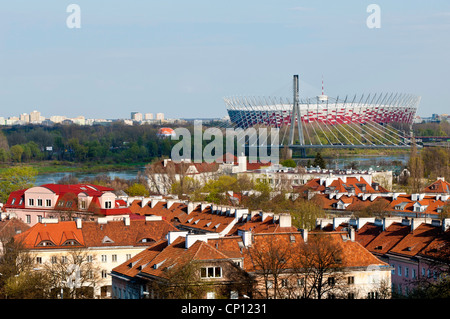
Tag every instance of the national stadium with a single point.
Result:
(385, 108)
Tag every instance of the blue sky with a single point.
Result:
(182, 57)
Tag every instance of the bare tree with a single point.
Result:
(271, 261)
(321, 262)
(75, 274)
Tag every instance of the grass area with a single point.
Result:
(48, 167)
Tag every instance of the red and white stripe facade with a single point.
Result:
(249, 111)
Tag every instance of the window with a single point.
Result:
(39, 202)
(406, 272)
(104, 259)
(373, 295)
(54, 260)
(413, 273)
(351, 280)
(28, 217)
(69, 204)
(64, 259)
(331, 281)
(83, 204)
(38, 260)
(114, 258)
(13, 201)
(104, 273)
(423, 271)
(399, 270)
(128, 256)
(39, 218)
(90, 259)
(108, 204)
(30, 202)
(48, 202)
(211, 272)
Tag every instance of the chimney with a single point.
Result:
(351, 232)
(242, 163)
(246, 237)
(173, 235)
(285, 220)
(150, 218)
(304, 233)
(193, 238)
(239, 212)
(445, 224)
(78, 221)
(126, 220)
(49, 220)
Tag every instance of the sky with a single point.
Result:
(182, 58)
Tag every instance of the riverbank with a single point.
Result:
(52, 167)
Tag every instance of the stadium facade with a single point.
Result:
(245, 112)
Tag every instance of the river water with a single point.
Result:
(362, 162)
(53, 178)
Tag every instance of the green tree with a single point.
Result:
(319, 161)
(289, 163)
(15, 178)
(16, 153)
(137, 189)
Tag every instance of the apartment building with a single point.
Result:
(64, 202)
(103, 243)
(413, 247)
(228, 267)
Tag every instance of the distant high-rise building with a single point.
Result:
(136, 116)
(160, 116)
(35, 117)
(24, 117)
(149, 116)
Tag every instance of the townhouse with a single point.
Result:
(64, 202)
(105, 243)
(202, 217)
(413, 247)
(228, 267)
(164, 173)
(345, 197)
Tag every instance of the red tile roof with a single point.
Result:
(93, 234)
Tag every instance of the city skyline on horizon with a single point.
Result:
(183, 58)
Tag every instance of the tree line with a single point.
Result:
(109, 144)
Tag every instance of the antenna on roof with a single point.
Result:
(322, 97)
(322, 84)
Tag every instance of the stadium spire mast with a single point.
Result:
(295, 114)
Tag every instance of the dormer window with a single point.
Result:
(45, 243)
(70, 242)
(146, 240)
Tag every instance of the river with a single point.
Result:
(53, 178)
(362, 162)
